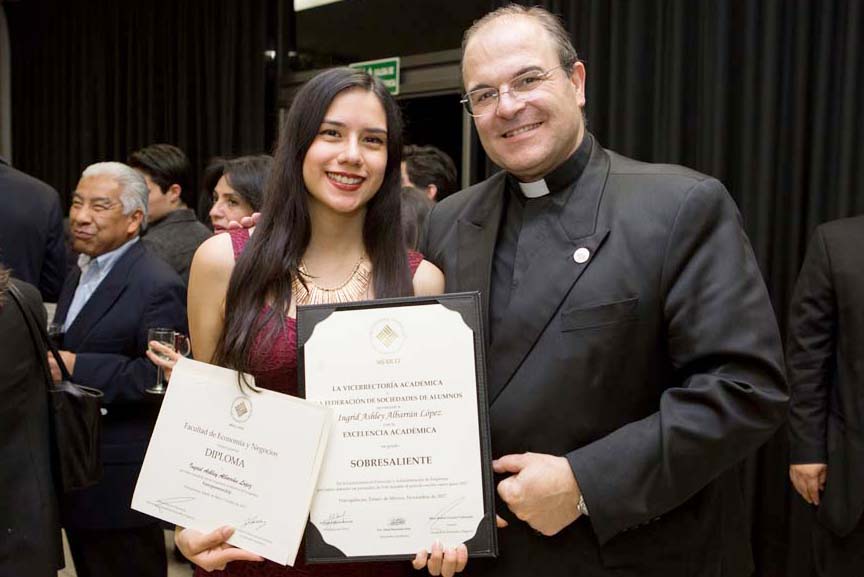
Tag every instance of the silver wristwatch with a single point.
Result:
(583, 508)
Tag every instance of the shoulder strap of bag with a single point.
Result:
(36, 328)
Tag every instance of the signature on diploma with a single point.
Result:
(443, 514)
(396, 522)
(173, 503)
(336, 519)
(254, 523)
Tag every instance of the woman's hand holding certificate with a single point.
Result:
(222, 455)
(211, 551)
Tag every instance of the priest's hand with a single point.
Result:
(541, 491)
(809, 479)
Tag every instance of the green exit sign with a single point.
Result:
(386, 70)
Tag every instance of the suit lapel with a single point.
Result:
(548, 275)
(478, 230)
(66, 295)
(105, 296)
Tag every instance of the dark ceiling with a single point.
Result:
(354, 30)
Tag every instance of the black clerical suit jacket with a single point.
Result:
(109, 337)
(654, 365)
(825, 359)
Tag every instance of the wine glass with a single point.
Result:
(55, 333)
(168, 338)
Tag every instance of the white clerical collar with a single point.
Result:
(534, 189)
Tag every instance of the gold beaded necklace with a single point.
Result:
(355, 287)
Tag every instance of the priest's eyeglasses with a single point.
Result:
(483, 101)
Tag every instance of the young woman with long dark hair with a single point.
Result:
(330, 232)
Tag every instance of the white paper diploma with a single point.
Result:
(403, 464)
(222, 456)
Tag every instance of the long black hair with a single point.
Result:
(272, 257)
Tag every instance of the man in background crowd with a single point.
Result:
(31, 231)
(430, 170)
(174, 232)
(119, 291)
(825, 360)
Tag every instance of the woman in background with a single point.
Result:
(236, 188)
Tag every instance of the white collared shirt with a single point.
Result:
(93, 272)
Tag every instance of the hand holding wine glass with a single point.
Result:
(165, 348)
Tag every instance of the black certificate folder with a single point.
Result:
(408, 460)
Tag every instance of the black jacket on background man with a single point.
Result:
(32, 244)
(109, 338)
(825, 359)
(175, 238)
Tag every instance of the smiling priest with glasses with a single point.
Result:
(633, 355)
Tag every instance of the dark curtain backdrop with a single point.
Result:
(94, 80)
(768, 96)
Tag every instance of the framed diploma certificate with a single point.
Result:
(408, 456)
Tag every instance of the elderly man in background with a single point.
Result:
(119, 291)
(634, 358)
(174, 232)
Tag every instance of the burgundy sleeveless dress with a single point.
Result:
(274, 365)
